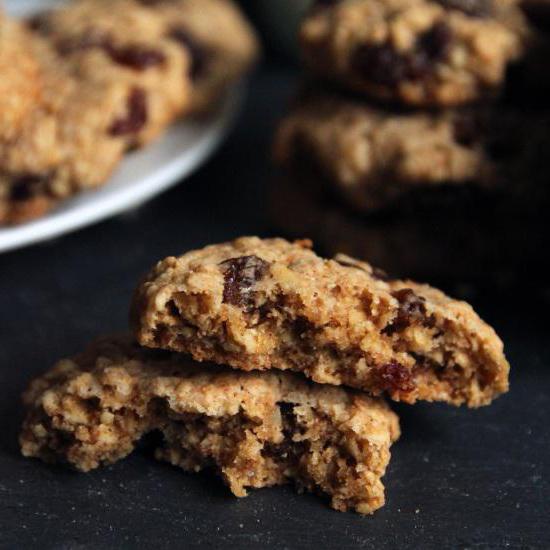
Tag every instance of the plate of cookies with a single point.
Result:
(107, 104)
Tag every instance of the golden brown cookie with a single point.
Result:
(379, 159)
(419, 52)
(272, 304)
(257, 430)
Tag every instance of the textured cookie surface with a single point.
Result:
(380, 159)
(420, 52)
(256, 430)
(20, 82)
(113, 75)
(107, 38)
(262, 304)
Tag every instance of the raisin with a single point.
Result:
(240, 274)
(136, 116)
(25, 186)
(395, 377)
(39, 23)
(475, 8)
(411, 309)
(380, 64)
(431, 46)
(195, 50)
(136, 57)
(383, 65)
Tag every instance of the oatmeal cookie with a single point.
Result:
(262, 304)
(257, 430)
(142, 40)
(381, 159)
(419, 52)
(20, 82)
(66, 144)
(222, 44)
(103, 43)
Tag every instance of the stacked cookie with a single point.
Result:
(412, 145)
(268, 363)
(92, 80)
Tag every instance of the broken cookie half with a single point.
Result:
(271, 304)
(256, 430)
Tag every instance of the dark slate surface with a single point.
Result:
(458, 478)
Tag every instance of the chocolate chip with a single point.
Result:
(136, 57)
(136, 116)
(475, 8)
(240, 275)
(383, 65)
(196, 51)
(24, 186)
(395, 377)
(411, 309)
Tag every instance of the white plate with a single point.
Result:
(142, 174)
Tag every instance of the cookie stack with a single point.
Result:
(267, 363)
(412, 144)
(84, 84)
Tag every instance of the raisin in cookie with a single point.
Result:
(257, 430)
(221, 43)
(103, 42)
(380, 159)
(419, 52)
(262, 304)
(472, 243)
(66, 143)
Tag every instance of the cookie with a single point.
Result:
(20, 83)
(264, 304)
(103, 43)
(417, 52)
(379, 159)
(132, 38)
(257, 430)
(113, 75)
(479, 245)
(71, 140)
(222, 44)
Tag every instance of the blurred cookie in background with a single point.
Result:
(416, 52)
(417, 161)
(488, 247)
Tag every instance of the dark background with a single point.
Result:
(458, 478)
